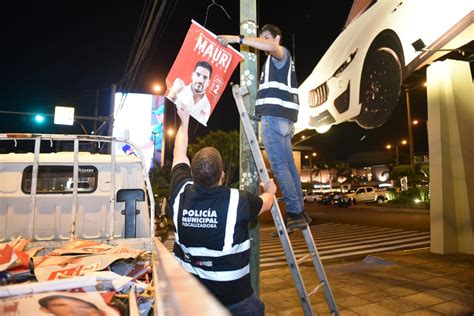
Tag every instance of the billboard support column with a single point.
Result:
(450, 120)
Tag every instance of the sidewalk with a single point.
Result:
(414, 282)
(384, 208)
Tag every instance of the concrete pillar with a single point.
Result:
(451, 145)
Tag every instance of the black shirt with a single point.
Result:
(216, 253)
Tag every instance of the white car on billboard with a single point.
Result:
(360, 75)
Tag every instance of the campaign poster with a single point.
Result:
(56, 303)
(140, 119)
(200, 73)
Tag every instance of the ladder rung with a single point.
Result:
(303, 259)
(316, 288)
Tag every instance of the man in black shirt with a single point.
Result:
(211, 224)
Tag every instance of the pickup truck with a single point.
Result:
(53, 197)
(367, 194)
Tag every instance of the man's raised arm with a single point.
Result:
(181, 139)
(270, 45)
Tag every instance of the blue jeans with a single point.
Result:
(276, 137)
(251, 306)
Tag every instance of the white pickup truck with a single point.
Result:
(368, 194)
(51, 197)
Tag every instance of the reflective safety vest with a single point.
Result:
(278, 92)
(210, 219)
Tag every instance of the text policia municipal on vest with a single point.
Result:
(199, 218)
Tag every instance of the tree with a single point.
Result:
(425, 170)
(399, 172)
(160, 178)
(343, 170)
(226, 142)
(228, 145)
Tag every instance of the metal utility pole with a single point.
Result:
(249, 178)
(113, 89)
(96, 110)
(410, 131)
(397, 159)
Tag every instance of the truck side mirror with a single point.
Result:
(130, 197)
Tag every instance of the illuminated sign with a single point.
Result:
(140, 119)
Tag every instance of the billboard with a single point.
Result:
(359, 78)
(140, 119)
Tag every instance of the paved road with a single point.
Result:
(340, 242)
(371, 215)
(343, 234)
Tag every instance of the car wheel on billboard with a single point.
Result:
(380, 86)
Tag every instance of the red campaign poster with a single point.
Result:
(200, 72)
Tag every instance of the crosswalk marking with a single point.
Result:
(372, 240)
(336, 241)
(339, 241)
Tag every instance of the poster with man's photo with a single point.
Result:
(200, 73)
(57, 304)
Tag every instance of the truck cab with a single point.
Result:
(55, 196)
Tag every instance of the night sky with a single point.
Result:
(69, 52)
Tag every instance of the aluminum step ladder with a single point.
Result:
(238, 93)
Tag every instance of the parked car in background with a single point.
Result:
(312, 197)
(368, 194)
(340, 199)
(327, 198)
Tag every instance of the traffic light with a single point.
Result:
(39, 118)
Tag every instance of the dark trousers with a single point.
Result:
(251, 306)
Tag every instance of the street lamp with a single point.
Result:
(170, 132)
(389, 146)
(409, 120)
(396, 152)
(310, 157)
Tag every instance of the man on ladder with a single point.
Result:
(277, 106)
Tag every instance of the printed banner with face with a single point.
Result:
(200, 73)
(57, 303)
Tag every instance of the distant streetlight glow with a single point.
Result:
(170, 132)
(39, 118)
(157, 88)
